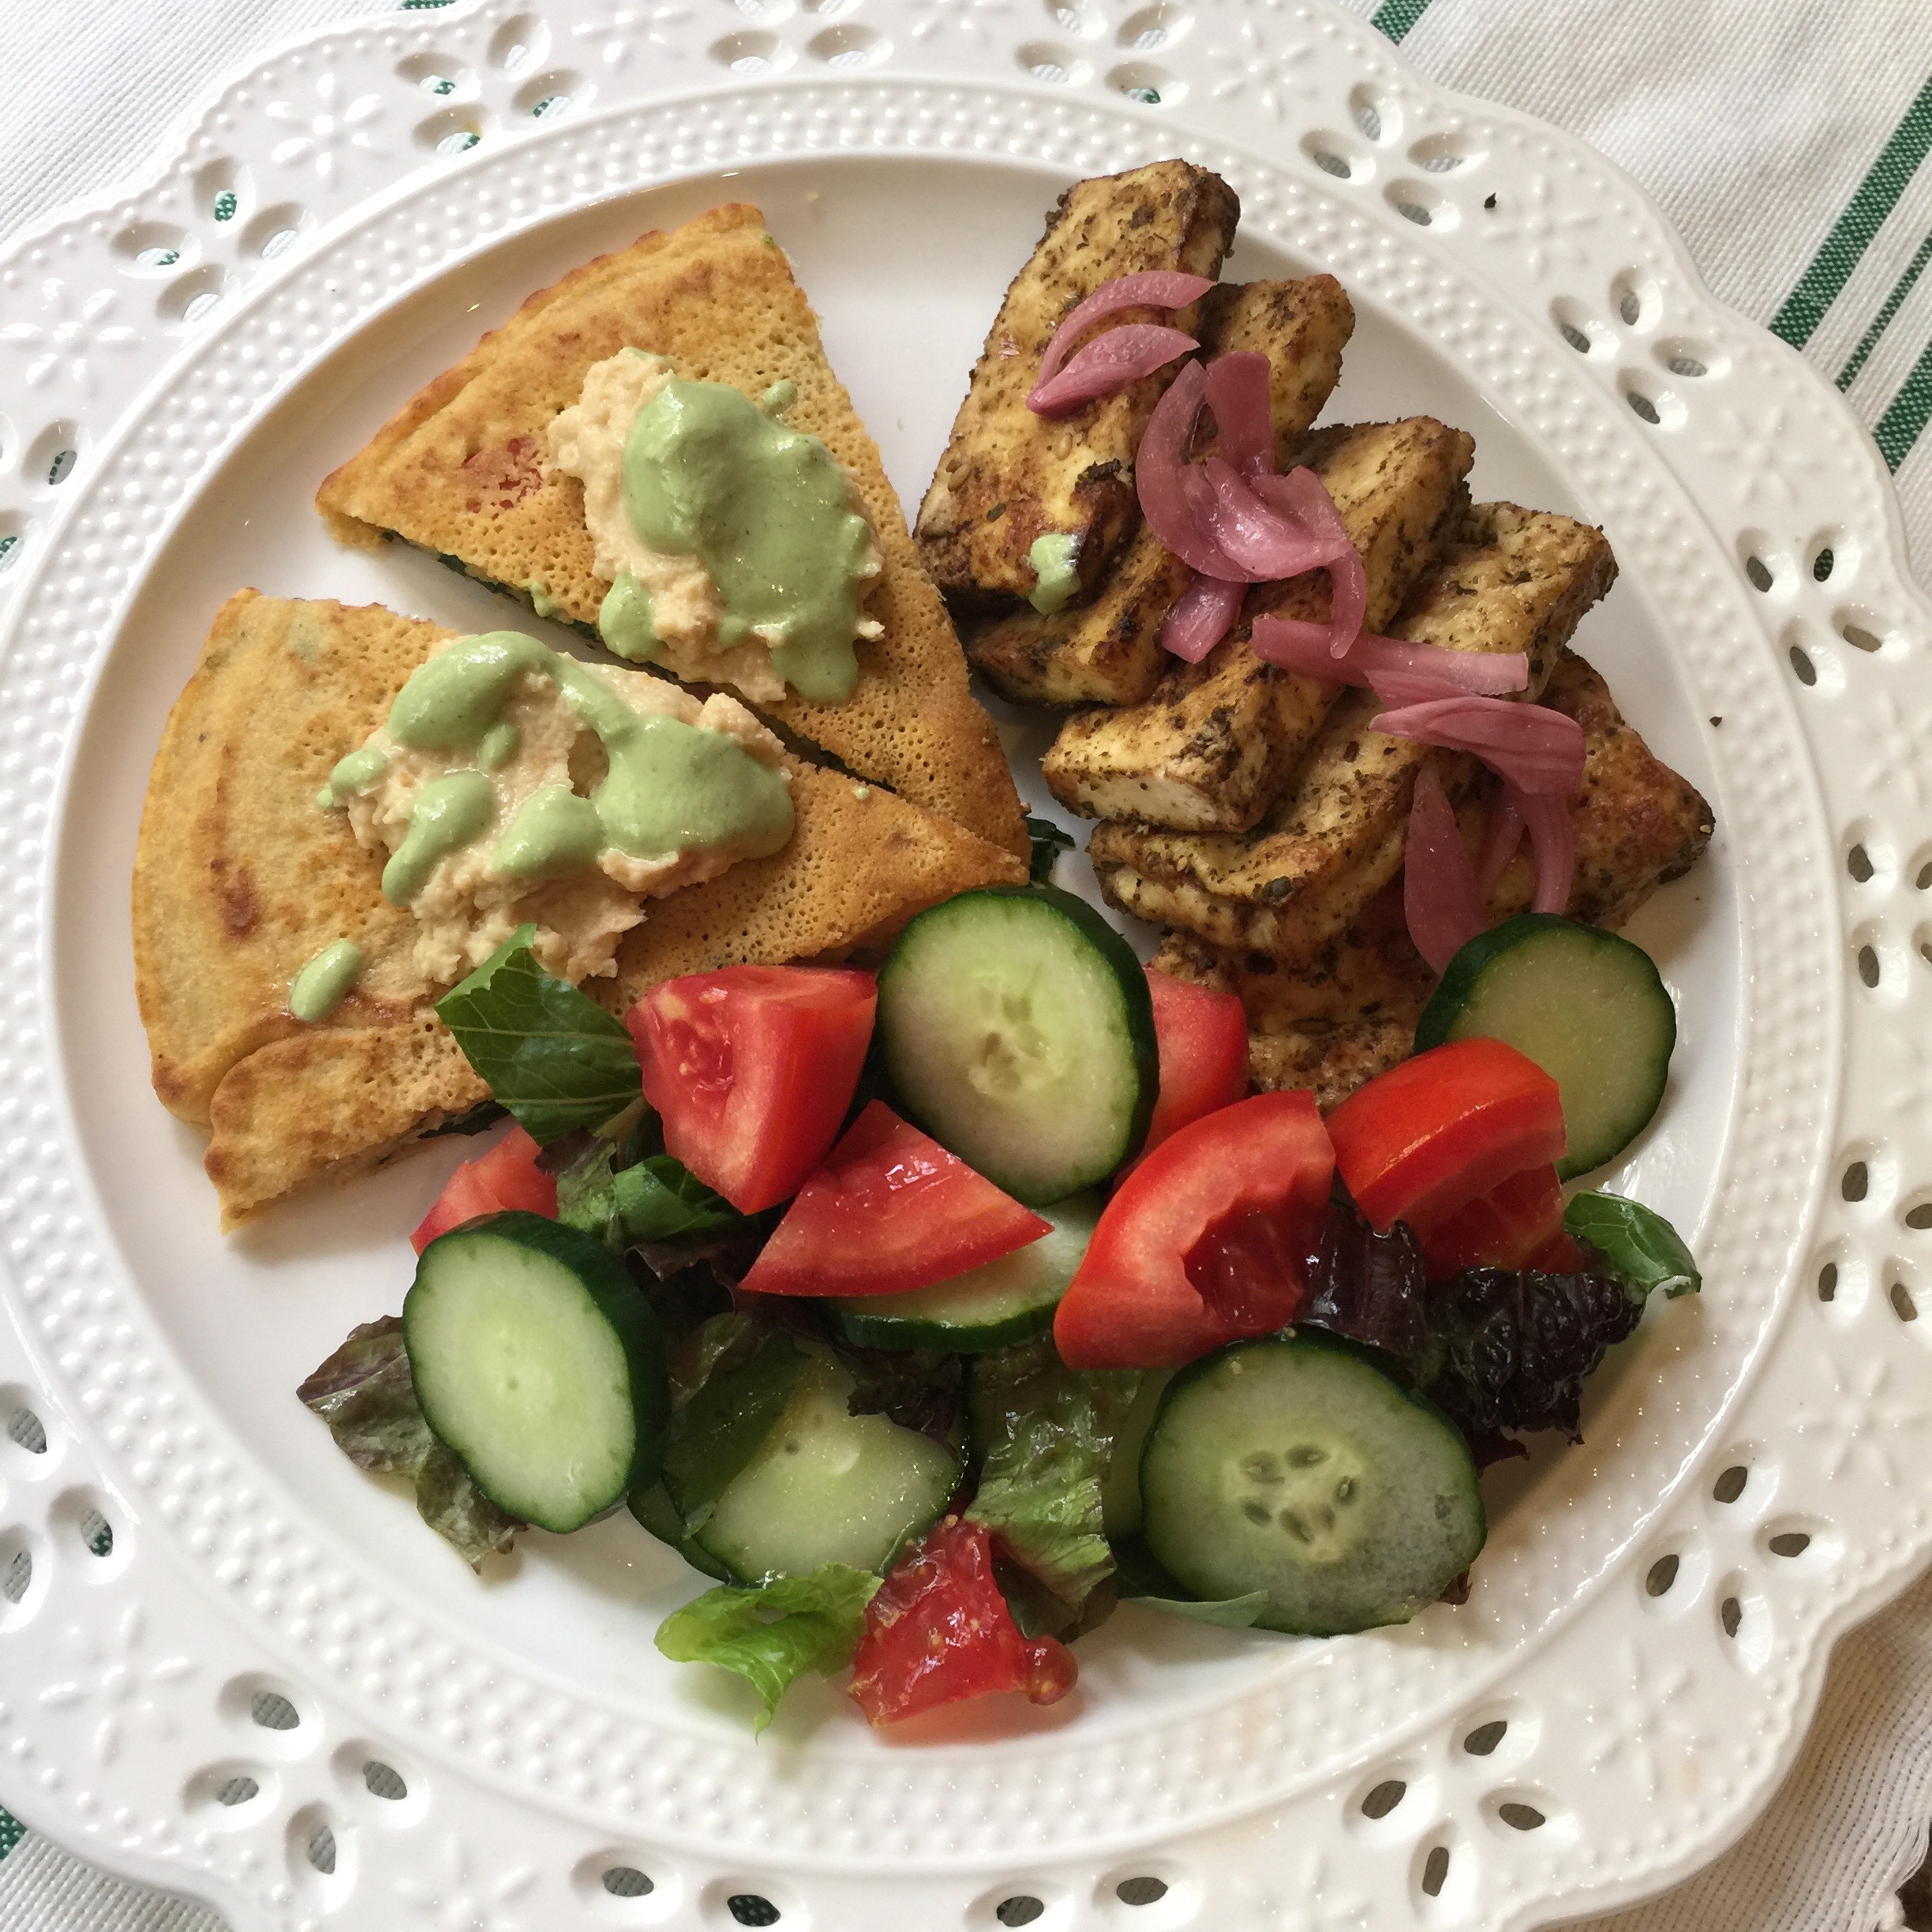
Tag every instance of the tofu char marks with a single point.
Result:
(1214, 744)
(1514, 580)
(1008, 477)
(1107, 650)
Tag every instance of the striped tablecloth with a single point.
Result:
(1788, 141)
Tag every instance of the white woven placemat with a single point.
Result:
(1788, 141)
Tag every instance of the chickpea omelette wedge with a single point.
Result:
(261, 857)
(679, 387)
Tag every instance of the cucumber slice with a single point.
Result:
(827, 1486)
(1589, 1008)
(1007, 1301)
(538, 1362)
(1293, 1467)
(1016, 1027)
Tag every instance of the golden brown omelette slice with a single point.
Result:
(239, 879)
(460, 469)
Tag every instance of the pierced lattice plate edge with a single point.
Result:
(1894, 528)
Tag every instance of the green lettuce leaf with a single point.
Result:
(1046, 1433)
(548, 1053)
(1643, 1250)
(660, 1199)
(1049, 843)
(366, 1394)
(587, 1193)
(773, 1635)
(655, 1201)
(1144, 1581)
(731, 1380)
(1226, 1613)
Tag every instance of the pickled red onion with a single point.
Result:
(1200, 617)
(1158, 288)
(1400, 673)
(1238, 392)
(1441, 900)
(1107, 363)
(1268, 546)
(1302, 494)
(1170, 489)
(1538, 751)
(1214, 519)
(1501, 837)
(1553, 837)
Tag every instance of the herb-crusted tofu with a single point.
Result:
(1348, 1011)
(1008, 476)
(1208, 751)
(1107, 651)
(1515, 580)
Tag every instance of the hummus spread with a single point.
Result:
(511, 785)
(735, 548)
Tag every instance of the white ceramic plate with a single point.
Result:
(1572, 1736)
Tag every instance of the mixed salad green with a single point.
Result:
(931, 1312)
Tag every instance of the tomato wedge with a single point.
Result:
(938, 1632)
(1202, 1038)
(1428, 1137)
(1506, 1228)
(753, 1069)
(1206, 1240)
(891, 1210)
(1559, 1255)
(504, 1176)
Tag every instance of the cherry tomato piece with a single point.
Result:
(1202, 1038)
(504, 1176)
(1205, 1241)
(938, 1632)
(753, 1069)
(890, 1210)
(1424, 1138)
(1504, 1229)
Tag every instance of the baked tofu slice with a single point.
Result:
(460, 470)
(1514, 580)
(1208, 751)
(1330, 1021)
(1108, 651)
(239, 879)
(1008, 476)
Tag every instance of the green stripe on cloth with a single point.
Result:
(12, 1832)
(1899, 428)
(1882, 320)
(1395, 17)
(1818, 287)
